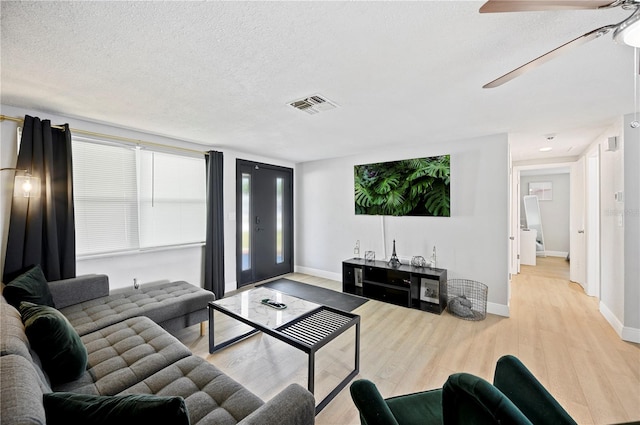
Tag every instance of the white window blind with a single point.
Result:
(172, 199)
(105, 198)
(129, 199)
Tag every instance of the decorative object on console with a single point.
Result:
(433, 258)
(418, 261)
(394, 261)
(356, 249)
(370, 255)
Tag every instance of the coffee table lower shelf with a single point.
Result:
(307, 333)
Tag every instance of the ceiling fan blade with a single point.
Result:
(495, 6)
(550, 55)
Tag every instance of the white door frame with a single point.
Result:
(515, 180)
(578, 266)
(592, 214)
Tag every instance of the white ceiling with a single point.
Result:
(404, 73)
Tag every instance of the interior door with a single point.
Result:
(577, 253)
(592, 231)
(264, 221)
(514, 219)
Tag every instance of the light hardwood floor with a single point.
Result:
(554, 328)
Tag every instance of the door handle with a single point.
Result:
(580, 231)
(512, 238)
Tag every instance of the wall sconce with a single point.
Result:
(24, 186)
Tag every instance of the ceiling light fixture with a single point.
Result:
(628, 32)
(546, 149)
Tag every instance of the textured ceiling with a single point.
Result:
(404, 73)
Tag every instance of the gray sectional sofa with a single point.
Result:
(129, 351)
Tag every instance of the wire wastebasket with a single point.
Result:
(467, 299)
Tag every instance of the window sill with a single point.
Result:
(138, 251)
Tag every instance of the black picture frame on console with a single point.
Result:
(429, 290)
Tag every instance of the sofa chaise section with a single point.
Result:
(89, 305)
(122, 354)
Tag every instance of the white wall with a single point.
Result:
(620, 229)
(472, 243)
(631, 139)
(183, 263)
(612, 230)
(554, 213)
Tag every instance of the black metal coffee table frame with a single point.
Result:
(308, 332)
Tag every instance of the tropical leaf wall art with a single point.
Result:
(416, 187)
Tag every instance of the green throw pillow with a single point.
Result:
(63, 355)
(30, 286)
(135, 409)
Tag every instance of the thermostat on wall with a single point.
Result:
(618, 196)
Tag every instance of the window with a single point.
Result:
(129, 199)
(279, 222)
(171, 199)
(246, 223)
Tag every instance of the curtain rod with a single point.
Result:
(108, 136)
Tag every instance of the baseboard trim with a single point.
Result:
(611, 318)
(319, 273)
(626, 333)
(230, 286)
(562, 254)
(498, 309)
(630, 334)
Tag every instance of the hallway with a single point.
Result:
(552, 267)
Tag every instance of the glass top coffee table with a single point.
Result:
(302, 324)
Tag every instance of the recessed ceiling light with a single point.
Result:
(546, 149)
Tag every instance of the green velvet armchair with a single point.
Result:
(516, 397)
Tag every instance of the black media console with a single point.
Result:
(422, 288)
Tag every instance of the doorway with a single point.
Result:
(559, 209)
(264, 221)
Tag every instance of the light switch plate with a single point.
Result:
(618, 196)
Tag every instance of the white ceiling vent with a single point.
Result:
(313, 104)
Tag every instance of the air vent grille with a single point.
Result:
(313, 104)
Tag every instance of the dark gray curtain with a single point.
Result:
(214, 248)
(42, 229)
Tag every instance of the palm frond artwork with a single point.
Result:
(414, 187)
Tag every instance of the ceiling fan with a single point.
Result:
(627, 31)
